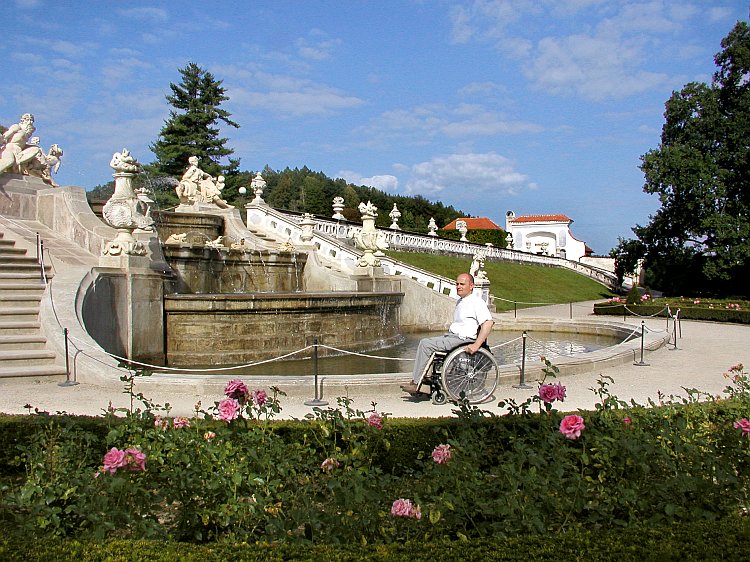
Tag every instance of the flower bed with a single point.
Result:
(230, 473)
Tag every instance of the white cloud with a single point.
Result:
(470, 174)
(421, 123)
(595, 67)
(145, 14)
(317, 47)
(608, 57)
(386, 182)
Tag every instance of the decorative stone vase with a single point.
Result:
(369, 240)
(123, 210)
(338, 206)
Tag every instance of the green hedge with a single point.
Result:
(497, 238)
(725, 539)
(741, 316)
(338, 478)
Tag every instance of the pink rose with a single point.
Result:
(404, 508)
(136, 460)
(572, 426)
(375, 420)
(114, 459)
(228, 409)
(329, 464)
(442, 454)
(627, 421)
(743, 424)
(259, 397)
(181, 422)
(160, 422)
(551, 392)
(236, 389)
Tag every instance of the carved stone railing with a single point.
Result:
(331, 236)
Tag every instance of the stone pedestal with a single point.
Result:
(123, 310)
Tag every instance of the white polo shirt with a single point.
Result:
(470, 313)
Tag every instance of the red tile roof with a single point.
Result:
(542, 218)
(477, 223)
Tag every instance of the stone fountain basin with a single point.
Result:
(240, 328)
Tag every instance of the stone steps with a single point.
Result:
(33, 371)
(26, 357)
(11, 342)
(23, 351)
(19, 327)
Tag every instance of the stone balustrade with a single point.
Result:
(331, 236)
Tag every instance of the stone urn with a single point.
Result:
(123, 211)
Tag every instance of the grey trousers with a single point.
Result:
(427, 346)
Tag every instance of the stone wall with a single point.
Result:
(204, 330)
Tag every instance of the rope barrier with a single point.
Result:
(649, 315)
(345, 352)
(181, 370)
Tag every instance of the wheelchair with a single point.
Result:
(451, 374)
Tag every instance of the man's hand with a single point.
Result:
(471, 349)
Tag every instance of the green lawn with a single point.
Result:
(523, 283)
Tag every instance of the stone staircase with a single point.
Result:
(23, 350)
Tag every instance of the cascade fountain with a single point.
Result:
(235, 298)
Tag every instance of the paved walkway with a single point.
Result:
(704, 352)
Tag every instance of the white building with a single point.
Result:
(547, 235)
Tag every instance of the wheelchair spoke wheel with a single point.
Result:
(473, 375)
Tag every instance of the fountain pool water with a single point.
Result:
(548, 344)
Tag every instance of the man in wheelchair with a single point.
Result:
(472, 323)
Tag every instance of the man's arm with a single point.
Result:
(484, 332)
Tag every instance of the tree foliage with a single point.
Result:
(192, 127)
(699, 240)
(306, 191)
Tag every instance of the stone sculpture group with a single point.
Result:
(197, 186)
(20, 152)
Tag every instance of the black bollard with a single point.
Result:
(317, 400)
(68, 381)
(522, 382)
(641, 363)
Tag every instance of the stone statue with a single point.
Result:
(14, 143)
(123, 210)
(34, 162)
(211, 192)
(187, 189)
(176, 239)
(197, 186)
(218, 243)
(477, 267)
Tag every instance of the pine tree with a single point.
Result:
(192, 127)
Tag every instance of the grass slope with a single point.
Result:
(522, 283)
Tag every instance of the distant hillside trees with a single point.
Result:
(698, 242)
(305, 191)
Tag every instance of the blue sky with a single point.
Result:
(535, 106)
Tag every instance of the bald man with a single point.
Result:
(472, 323)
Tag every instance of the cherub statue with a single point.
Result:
(34, 162)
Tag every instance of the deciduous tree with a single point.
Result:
(699, 240)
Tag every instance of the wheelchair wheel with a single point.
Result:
(473, 375)
(439, 397)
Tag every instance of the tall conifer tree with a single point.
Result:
(192, 127)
